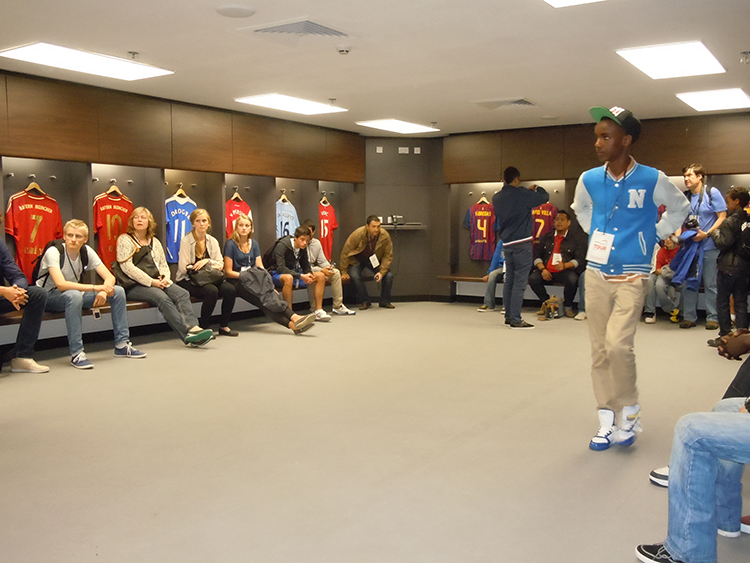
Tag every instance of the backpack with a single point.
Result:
(269, 256)
(59, 244)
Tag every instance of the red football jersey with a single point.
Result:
(32, 221)
(111, 214)
(233, 209)
(480, 219)
(544, 219)
(328, 224)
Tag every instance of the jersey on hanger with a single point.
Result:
(480, 219)
(328, 224)
(179, 209)
(233, 209)
(32, 221)
(544, 219)
(286, 219)
(111, 214)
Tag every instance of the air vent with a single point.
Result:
(505, 102)
(300, 29)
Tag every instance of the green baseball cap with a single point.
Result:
(623, 117)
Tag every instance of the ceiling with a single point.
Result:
(417, 60)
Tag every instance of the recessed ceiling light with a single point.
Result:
(235, 11)
(566, 3)
(81, 61)
(289, 103)
(713, 100)
(397, 126)
(673, 60)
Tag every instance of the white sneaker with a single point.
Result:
(650, 318)
(26, 365)
(660, 476)
(605, 436)
(630, 425)
(322, 316)
(581, 316)
(344, 310)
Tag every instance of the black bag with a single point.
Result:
(258, 282)
(205, 276)
(269, 256)
(142, 259)
(60, 245)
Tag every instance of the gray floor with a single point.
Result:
(429, 433)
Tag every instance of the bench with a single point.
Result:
(474, 286)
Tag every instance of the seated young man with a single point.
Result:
(560, 256)
(291, 270)
(319, 263)
(60, 273)
(15, 296)
(659, 286)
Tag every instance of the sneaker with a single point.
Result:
(26, 365)
(745, 524)
(520, 325)
(128, 351)
(507, 321)
(569, 313)
(200, 343)
(79, 361)
(387, 305)
(712, 325)
(366, 305)
(322, 316)
(304, 324)
(199, 336)
(656, 552)
(485, 309)
(728, 534)
(660, 476)
(605, 436)
(630, 425)
(687, 324)
(674, 316)
(581, 316)
(343, 310)
(650, 318)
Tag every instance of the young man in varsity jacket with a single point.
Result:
(617, 204)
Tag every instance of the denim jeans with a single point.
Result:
(728, 285)
(518, 260)
(173, 304)
(72, 302)
(386, 283)
(28, 330)
(658, 289)
(690, 298)
(709, 451)
(494, 277)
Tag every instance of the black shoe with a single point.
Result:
(228, 332)
(387, 305)
(656, 552)
(366, 305)
(714, 342)
(520, 325)
(507, 321)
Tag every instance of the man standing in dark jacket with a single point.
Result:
(513, 205)
(18, 295)
(560, 256)
(733, 270)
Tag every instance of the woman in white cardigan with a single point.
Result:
(141, 258)
(198, 249)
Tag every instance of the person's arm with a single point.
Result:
(385, 263)
(345, 254)
(214, 253)
(185, 257)
(229, 255)
(583, 205)
(160, 259)
(678, 206)
(10, 269)
(537, 196)
(280, 251)
(724, 237)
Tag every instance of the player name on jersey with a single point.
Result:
(480, 219)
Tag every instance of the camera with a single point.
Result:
(692, 222)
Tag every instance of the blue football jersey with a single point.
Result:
(178, 223)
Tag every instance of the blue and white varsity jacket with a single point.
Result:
(628, 208)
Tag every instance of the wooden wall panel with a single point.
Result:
(3, 116)
(537, 153)
(201, 139)
(134, 130)
(578, 152)
(304, 152)
(729, 144)
(52, 120)
(670, 144)
(345, 157)
(257, 145)
(473, 158)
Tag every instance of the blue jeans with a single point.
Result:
(28, 330)
(494, 277)
(386, 283)
(173, 303)
(72, 302)
(690, 298)
(708, 456)
(657, 288)
(518, 260)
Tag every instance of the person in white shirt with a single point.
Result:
(319, 263)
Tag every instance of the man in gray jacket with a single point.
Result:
(319, 263)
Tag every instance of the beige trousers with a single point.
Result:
(613, 310)
(337, 292)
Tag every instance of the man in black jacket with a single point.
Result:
(560, 257)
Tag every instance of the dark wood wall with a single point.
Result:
(48, 119)
(720, 142)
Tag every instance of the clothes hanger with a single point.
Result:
(236, 195)
(113, 190)
(483, 199)
(180, 192)
(283, 197)
(324, 200)
(33, 186)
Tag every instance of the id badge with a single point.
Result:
(600, 247)
(374, 262)
(556, 258)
